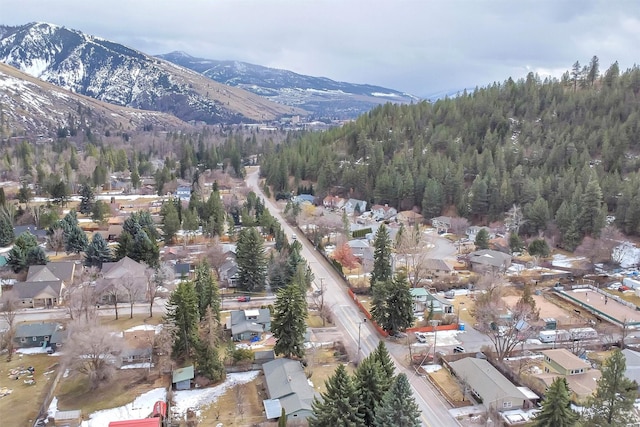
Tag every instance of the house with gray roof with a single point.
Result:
(487, 384)
(35, 334)
(288, 388)
(355, 205)
(246, 324)
(41, 235)
(442, 224)
(422, 300)
(53, 270)
(39, 294)
(487, 259)
(114, 274)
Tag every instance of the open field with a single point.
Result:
(21, 407)
(449, 385)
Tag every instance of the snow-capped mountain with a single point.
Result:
(120, 75)
(321, 96)
(32, 106)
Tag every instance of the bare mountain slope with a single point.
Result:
(120, 75)
(31, 106)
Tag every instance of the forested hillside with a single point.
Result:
(565, 151)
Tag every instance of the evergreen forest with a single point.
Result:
(564, 152)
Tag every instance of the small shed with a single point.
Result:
(182, 378)
(68, 418)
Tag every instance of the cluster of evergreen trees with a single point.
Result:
(193, 316)
(373, 396)
(566, 151)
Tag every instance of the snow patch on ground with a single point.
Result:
(156, 328)
(32, 350)
(138, 366)
(53, 407)
(564, 261)
(142, 406)
(185, 399)
(431, 368)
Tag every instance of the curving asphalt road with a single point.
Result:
(350, 320)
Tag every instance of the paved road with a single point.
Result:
(350, 320)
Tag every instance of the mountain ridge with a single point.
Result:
(117, 74)
(320, 95)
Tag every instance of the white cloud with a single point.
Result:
(416, 46)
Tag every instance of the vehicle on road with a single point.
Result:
(421, 337)
(244, 298)
(294, 237)
(458, 349)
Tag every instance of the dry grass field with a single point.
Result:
(21, 407)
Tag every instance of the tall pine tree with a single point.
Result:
(289, 321)
(182, 313)
(398, 407)
(339, 405)
(381, 257)
(252, 267)
(556, 407)
(97, 252)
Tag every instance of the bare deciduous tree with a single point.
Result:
(216, 257)
(80, 295)
(9, 303)
(504, 331)
(413, 248)
(90, 351)
(459, 225)
(56, 240)
(158, 282)
(133, 288)
(112, 290)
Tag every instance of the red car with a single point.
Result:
(244, 298)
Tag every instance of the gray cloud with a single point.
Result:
(418, 46)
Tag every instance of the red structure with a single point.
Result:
(159, 410)
(145, 422)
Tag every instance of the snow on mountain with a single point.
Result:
(321, 96)
(32, 106)
(120, 75)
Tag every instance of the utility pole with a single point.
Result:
(434, 323)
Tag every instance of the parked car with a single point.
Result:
(623, 288)
(421, 337)
(244, 298)
(458, 349)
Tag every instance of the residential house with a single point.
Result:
(62, 270)
(333, 202)
(246, 324)
(45, 284)
(48, 293)
(425, 300)
(487, 259)
(304, 198)
(472, 232)
(181, 378)
(380, 212)
(288, 388)
(436, 268)
(138, 347)
(442, 224)
(581, 377)
(41, 235)
(115, 274)
(409, 217)
(229, 274)
(487, 383)
(183, 192)
(362, 250)
(35, 334)
(354, 205)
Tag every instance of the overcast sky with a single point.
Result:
(421, 47)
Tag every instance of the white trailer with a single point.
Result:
(583, 334)
(554, 336)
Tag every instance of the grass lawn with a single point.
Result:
(23, 404)
(124, 322)
(315, 321)
(449, 384)
(74, 392)
(240, 405)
